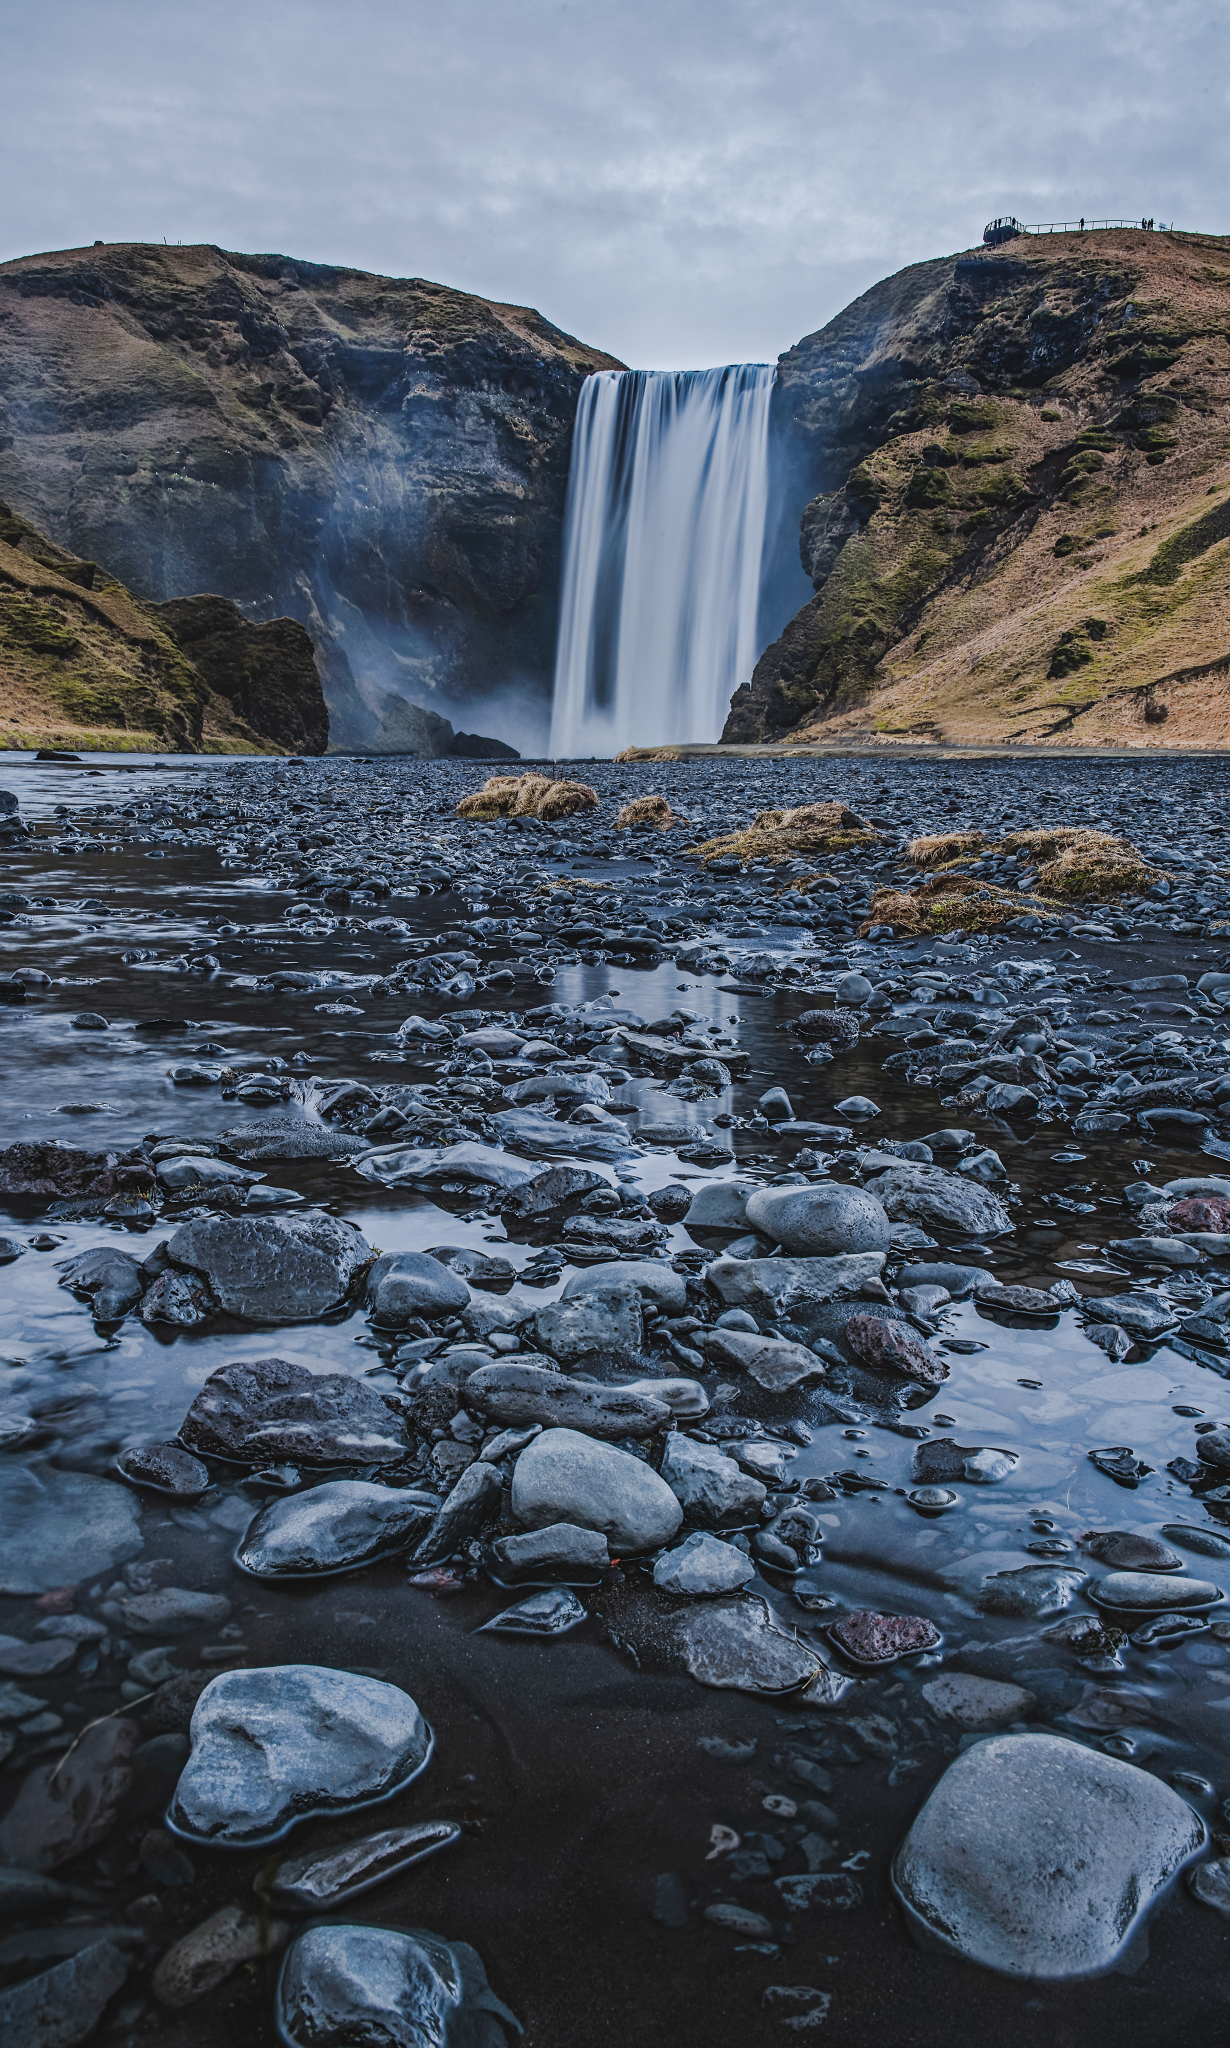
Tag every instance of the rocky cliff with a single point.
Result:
(1020, 529)
(85, 663)
(383, 460)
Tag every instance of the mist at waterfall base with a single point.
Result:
(662, 608)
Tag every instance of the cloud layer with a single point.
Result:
(682, 182)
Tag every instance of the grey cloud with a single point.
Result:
(679, 181)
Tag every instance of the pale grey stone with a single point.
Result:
(703, 1565)
(514, 1393)
(735, 1645)
(1144, 1592)
(566, 1477)
(398, 1988)
(271, 1747)
(709, 1486)
(773, 1285)
(653, 1279)
(820, 1221)
(320, 1882)
(927, 1195)
(606, 1320)
(770, 1361)
(1037, 1857)
(402, 1285)
(978, 1702)
(720, 1205)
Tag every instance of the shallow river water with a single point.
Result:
(579, 1779)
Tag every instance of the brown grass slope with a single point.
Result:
(1033, 541)
(85, 664)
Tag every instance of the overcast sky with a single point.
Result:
(682, 182)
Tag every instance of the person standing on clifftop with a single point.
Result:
(1082, 223)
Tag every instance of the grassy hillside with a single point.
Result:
(1034, 542)
(85, 664)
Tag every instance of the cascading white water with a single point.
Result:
(663, 536)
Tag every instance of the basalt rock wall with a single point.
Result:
(383, 460)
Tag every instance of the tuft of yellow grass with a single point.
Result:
(1073, 862)
(933, 852)
(648, 810)
(778, 835)
(527, 796)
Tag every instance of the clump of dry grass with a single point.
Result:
(933, 852)
(778, 835)
(1075, 862)
(945, 903)
(1072, 861)
(527, 796)
(648, 810)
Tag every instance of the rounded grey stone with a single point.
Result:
(565, 1477)
(1037, 1857)
(272, 1746)
(400, 1988)
(820, 1221)
(332, 1528)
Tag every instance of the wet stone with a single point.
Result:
(1126, 1552)
(321, 1882)
(560, 1551)
(736, 1646)
(819, 1221)
(515, 1394)
(164, 1468)
(401, 1989)
(892, 1347)
(566, 1477)
(709, 1486)
(271, 1747)
(202, 1960)
(1034, 1589)
(1037, 1857)
(64, 1808)
(269, 1409)
(550, 1613)
(978, 1702)
(1210, 1883)
(703, 1566)
(404, 1285)
(273, 1268)
(870, 1638)
(331, 1528)
(1141, 1592)
(64, 2005)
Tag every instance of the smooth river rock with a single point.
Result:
(387, 1987)
(774, 1285)
(328, 1878)
(1143, 1592)
(57, 1528)
(820, 1221)
(709, 1486)
(703, 1566)
(929, 1196)
(402, 1285)
(273, 1269)
(566, 1477)
(517, 1394)
(735, 1645)
(1037, 1857)
(770, 1361)
(333, 1528)
(269, 1410)
(272, 1746)
(653, 1279)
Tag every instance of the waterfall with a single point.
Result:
(663, 535)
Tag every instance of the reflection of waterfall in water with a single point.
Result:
(663, 536)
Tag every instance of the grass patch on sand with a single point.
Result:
(779, 835)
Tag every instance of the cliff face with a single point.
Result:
(383, 460)
(1020, 529)
(84, 663)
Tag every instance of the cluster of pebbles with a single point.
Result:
(669, 1288)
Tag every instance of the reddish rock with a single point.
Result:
(892, 1346)
(1201, 1212)
(870, 1638)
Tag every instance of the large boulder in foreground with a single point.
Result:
(1037, 1857)
(565, 1477)
(272, 1747)
(273, 1269)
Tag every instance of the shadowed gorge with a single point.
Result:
(384, 460)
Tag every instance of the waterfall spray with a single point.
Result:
(663, 536)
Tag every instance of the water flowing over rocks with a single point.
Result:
(1059, 1891)
(270, 1748)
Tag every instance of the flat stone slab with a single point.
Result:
(736, 1646)
(57, 1528)
(1037, 1857)
(273, 1269)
